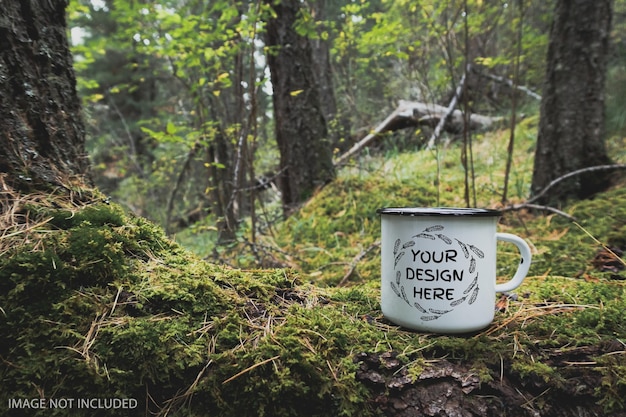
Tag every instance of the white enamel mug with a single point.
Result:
(438, 267)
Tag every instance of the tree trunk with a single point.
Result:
(322, 66)
(301, 133)
(219, 160)
(571, 127)
(42, 135)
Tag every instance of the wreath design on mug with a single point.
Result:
(469, 251)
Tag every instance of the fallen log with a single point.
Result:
(416, 114)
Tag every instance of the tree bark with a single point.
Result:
(301, 133)
(571, 126)
(42, 135)
(322, 65)
(452, 388)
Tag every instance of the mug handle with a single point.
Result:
(524, 263)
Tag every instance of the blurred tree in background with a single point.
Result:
(572, 127)
(182, 114)
(301, 133)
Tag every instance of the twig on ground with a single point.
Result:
(256, 365)
(529, 204)
(356, 260)
(186, 396)
(573, 174)
(600, 243)
(516, 207)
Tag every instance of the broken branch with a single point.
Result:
(449, 110)
(509, 83)
(412, 114)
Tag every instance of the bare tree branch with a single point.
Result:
(367, 139)
(509, 83)
(449, 110)
(516, 207)
(573, 174)
(179, 181)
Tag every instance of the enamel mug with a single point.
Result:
(438, 267)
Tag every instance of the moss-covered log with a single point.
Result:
(96, 304)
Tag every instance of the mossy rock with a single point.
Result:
(97, 304)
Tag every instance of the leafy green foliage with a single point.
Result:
(169, 89)
(194, 83)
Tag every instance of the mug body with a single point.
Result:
(438, 268)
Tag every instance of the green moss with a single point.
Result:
(108, 307)
(536, 369)
(341, 222)
(613, 384)
(103, 305)
(98, 304)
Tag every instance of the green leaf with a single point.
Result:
(170, 128)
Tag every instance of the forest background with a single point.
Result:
(178, 100)
(96, 302)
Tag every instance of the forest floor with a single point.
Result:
(97, 303)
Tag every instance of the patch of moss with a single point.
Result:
(102, 305)
(184, 336)
(99, 304)
(341, 222)
(613, 384)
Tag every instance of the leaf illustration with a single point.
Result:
(404, 295)
(445, 239)
(419, 307)
(457, 302)
(425, 235)
(396, 246)
(473, 296)
(398, 274)
(432, 310)
(477, 251)
(434, 228)
(398, 257)
(395, 289)
(472, 266)
(474, 282)
(408, 244)
(428, 318)
(463, 248)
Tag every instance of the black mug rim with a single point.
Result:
(439, 211)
